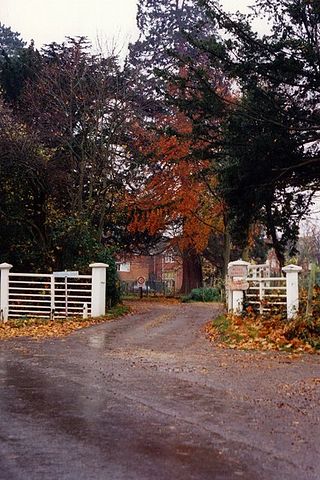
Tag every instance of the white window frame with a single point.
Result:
(123, 267)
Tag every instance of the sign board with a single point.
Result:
(238, 285)
(238, 271)
(65, 274)
(141, 281)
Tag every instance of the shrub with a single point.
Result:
(209, 294)
(112, 283)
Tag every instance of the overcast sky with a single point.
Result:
(45, 21)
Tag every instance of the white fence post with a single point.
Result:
(98, 292)
(261, 292)
(4, 291)
(237, 276)
(52, 295)
(292, 283)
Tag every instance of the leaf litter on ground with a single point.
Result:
(252, 331)
(42, 328)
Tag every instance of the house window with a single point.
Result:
(123, 266)
(168, 275)
(168, 258)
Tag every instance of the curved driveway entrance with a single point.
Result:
(147, 397)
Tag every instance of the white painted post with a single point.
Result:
(52, 298)
(237, 301)
(4, 291)
(228, 294)
(292, 283)
(98, 289)
(261, 295)
(237, 273)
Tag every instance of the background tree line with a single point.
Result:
(208, 134)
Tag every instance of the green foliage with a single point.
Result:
(255, 150)
(203, 295)
(222, 324)
(18, 63)
(78, 245)
(113, 284)
(10, 41)
(66, 161)
(266, 152)
(62, 183)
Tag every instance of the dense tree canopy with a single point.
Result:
(10, 42)
(267, 154)
(72, 116)
(209, 131)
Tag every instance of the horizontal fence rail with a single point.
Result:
(30, 295)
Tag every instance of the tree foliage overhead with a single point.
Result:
(175, 199)
(163, 25)
(268, 150)
(210, 129)
(23, 192)
(77, 108)
(157, 59)
(283, 68)
(10, 42)
(74, 111)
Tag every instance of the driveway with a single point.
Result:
(147, 397)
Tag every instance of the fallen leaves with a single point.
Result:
(257, 332)
(42, 328)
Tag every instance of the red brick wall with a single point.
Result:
(139, 267)
(152, 268)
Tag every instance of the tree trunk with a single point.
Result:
(226, 249)
(245, 253)
(191, 271)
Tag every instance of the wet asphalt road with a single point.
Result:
(147, 397)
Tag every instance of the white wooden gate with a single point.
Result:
(56, 295)
(266, 294)
(48, 296)
(249, 285)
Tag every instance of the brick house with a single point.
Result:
(158, 267)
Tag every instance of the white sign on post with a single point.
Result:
(237, 271)
(65, 274)
(238, 284)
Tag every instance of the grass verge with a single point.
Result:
(42, 328)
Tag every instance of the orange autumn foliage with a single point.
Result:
(175, 195)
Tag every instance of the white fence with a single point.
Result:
(52, 295)
(263, 293)
(266, 294)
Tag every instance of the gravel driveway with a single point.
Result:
(147, 397)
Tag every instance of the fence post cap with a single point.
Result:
(5, 266)
(99, 265)
(291, 268)
(239, 262)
